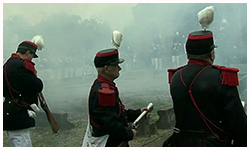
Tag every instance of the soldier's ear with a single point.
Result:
(212, 56)
(27, 52)
(106, 69)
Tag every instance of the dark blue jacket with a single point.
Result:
(20, 88)
(206, 99)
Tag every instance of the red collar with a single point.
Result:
(198, 62)
(15, 55)
(102, 79)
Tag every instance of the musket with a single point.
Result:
(52, 121)
(38, 40)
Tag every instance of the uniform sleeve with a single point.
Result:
(132, 114)
(24, 79)
(235, 115)
(112, 124)
(32, 82)
(107, 117)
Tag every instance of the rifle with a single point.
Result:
(53, 124)
(137, 121)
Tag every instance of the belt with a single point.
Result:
(200, 134)
(194, 134)
(176, 130)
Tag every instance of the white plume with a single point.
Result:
(38, 40)
(206, 17)
(116, 38)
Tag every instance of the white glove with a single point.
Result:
(34, 107)
(31, 113)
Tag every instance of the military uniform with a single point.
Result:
(108, 114)
(108, 118)
(206, 102)
(20, 88)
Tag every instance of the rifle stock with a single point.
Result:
(53, 124)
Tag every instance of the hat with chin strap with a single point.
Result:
(107, 57)
(200, 42)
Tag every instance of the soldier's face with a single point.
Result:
(113, 71)
(29, 55)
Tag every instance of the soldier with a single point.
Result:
(108, 118)
(20, 88)
(177, 49)
(206, 102)
(156, 53)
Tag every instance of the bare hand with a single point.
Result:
(134, 132)
(146, 109)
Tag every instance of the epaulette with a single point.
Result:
(171, 73)
(106, 95)
(229, 76)
(29, 65)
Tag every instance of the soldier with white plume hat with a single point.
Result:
(20, 88)
(206, 102)
(108, 118)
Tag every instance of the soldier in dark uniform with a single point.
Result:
(20, 88)
(108, 118)
(206, 102)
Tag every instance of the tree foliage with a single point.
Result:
(65, 35)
